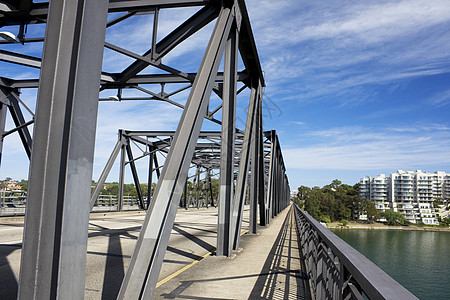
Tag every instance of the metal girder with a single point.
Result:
(11, 100)
(101, 181)
(20, 59)
(181, 33)
(37, 12)
(238, 203)
(261, 169)
(247, 47)
(61, 165)
(141, 276)
(57, 214)
(3, 109)
(224, 230)
(135, 175)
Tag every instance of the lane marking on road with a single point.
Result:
(187, 267)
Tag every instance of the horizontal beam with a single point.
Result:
(39, 11)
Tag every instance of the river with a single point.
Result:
(419, 260)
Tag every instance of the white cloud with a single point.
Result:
(322, 48)
(360, 148)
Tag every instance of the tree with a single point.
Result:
(372, 213)
(437, 202)
(335, 183)
(23, 185)
(394, 217)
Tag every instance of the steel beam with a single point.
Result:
(151, 159)
(181, 33)
(135, 175)
(224, 230)
(142, 274)
(57, 215)
(3, 109)
(261, 168)
(241, 184)
(254, 164)
(19, 121)
(106, 170)
(121, 172)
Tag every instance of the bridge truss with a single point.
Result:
(62, 148)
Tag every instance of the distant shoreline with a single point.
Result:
(386, 227)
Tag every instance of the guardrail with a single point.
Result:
(337, 270)
(13, 203)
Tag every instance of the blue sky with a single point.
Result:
(354, 88)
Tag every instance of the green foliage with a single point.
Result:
(372, 212)
(445, 222)
(437, 202)
(344, 222)
(336, 201)
(23, 185)
(325, 219)
(394, 217)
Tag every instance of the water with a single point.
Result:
(419, 260)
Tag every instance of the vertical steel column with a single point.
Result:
(121, 170)
(241, 184)
(150, 175)
(3, 109)
(271, 179)
(185, 195)
(261, 171)
(145, 265)
(197, 189)
(56, 224)
(253, 193)
(224, 232)
(135, 175)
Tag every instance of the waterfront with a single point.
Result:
(419, 260)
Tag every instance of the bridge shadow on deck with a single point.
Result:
(283, 275)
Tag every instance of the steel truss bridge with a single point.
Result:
(61, 150)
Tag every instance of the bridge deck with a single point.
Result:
(267, 267)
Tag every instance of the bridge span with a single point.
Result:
(267, 266)
(66, 255)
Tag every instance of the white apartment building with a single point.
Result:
(409, 192)
(375, 189)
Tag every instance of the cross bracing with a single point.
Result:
(71, 80)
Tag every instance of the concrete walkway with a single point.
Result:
(267, 267)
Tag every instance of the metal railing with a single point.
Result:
(13, 203)
(337, 270)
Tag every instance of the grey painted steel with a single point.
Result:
(121, 172)
(101, 181)
(142, 274)
(60, 147)
(151, 160)
(135, 175)
(337, 270)
(253, 187)
(11, 97)
(3, 109)
(261, 168)
(55, 235)
(241, 184)
(224, 230)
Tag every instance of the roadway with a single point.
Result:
(112, 237)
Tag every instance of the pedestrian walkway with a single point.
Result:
(267, 267)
